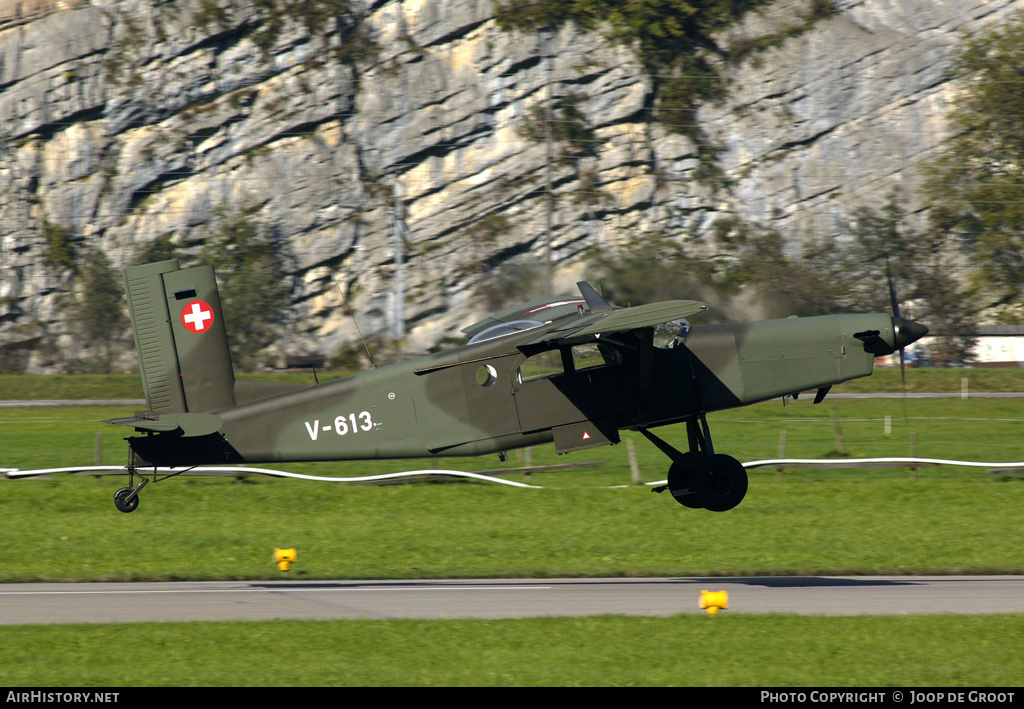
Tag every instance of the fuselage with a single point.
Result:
(492, 396)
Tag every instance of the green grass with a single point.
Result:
(582, 523)
(692, 650)
(24, 387)
(213, 529)
(889, 380)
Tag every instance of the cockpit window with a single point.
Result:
(543, 365)
(595, 354)
(668, 335)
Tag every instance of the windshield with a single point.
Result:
(668, 335)
(505, 328)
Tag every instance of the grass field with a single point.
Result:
(752, 651)
(580, 523)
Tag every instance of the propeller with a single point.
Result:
(904, 331)
(894, 304)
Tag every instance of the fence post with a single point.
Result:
(782, 454)
(98, 447)
(634, 469)
(913, 454)
(840, 445)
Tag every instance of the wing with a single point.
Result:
(618, 320)
(595, 317)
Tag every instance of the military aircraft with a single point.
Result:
(575, 371)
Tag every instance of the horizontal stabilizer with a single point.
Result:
(187, 424)
(140, 423)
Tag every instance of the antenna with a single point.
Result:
(356, 323)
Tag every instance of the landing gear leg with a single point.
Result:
(701, 478)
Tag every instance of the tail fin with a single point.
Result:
(180, 337)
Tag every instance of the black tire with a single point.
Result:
(726, 485)
(686, 491)
(120, 498)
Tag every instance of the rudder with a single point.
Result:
(180, 338)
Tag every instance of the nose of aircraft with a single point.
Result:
(907, 331)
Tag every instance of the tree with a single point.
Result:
(99, 311)
(59, 247)
(976, 189)
(745, 260)
(883, 246)
(561, 120)
(254, 290)
(648, 269)
(161, 248)
(672, 39)
(754, 258)
(923, 264)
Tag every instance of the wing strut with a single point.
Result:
(645, 375)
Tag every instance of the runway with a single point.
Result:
(49, 603)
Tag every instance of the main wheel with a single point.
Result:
(685, 485)
(726, 485)
(121, 500)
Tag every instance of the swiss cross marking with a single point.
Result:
(197, 316)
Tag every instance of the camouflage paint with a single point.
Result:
(471, 400)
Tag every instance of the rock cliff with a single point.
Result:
(126, 122)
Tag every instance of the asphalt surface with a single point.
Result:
(49, 603)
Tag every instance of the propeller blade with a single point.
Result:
(904, 331)
(893, 300)
(903, 376)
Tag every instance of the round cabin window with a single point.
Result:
(486, 375)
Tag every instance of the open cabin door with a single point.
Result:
(580, 392)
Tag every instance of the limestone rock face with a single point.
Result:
(127, 121)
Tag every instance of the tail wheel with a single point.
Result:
(121, 501)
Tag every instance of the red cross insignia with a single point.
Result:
(197, 316)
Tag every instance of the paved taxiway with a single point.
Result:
(321, 600)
